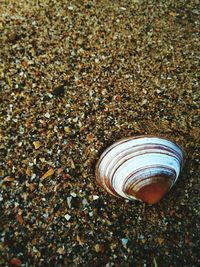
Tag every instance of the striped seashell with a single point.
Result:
(141, 167)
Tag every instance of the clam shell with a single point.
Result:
(141, 167)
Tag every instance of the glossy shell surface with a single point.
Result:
(142, 167)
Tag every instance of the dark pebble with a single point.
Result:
(58, 91)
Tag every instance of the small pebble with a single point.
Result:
(37, 144)
(69, 199)
(85, 202)
(70, 7)
(67, 217)
(95, 197)
(124, 241)
(58, 91)
(73, 194)
(16, 262)
(47, 115)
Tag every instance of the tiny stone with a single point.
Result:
(60, 250)
(8, 179)
(50, 95)
(97, 248)
(69, 201)
(70, 7)
(124, 241)
(67, 130)
(16, 262)
(47, 115)
(48, 173)
(37, 144)
(13, 37)
(158, 91)
(33, 176)
(95, 197)
(60, 90)
(91, 213)
(144, 102)
(85, 203)
(141, 236)
(67, 217)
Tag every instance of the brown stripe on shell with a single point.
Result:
(148, 177)
(132, 158)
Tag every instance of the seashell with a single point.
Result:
(141, 167)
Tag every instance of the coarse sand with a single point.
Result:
(75, 76)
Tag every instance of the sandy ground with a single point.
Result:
(75, 76)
